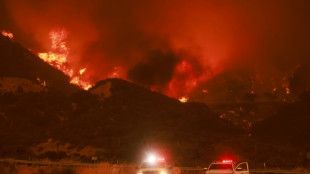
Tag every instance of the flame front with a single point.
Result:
(57, 57)
(183, 99)
(7, 34)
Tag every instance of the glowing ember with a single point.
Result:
(42, 83)
(57, 57)
(274, 89)
(285, 85)
(7, 34)
(287, 90)
(183, 99)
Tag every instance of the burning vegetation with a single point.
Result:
(183, 99)
(58, 58)
(173, 47)
(184, 76)
(7, 34)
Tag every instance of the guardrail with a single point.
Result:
(46, 163)
(254, 171)
(183, 169)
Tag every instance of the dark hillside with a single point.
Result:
(285, 136)
(133, 118)
(290, 125)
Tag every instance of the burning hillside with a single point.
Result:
(21, 70)
(58, 58)
(172, 47)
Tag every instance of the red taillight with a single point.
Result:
(227, 161)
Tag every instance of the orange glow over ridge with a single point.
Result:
(185, 80)
(116, 72)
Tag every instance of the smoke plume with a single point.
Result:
(149, 42)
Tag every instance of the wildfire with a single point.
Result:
(57, 57)
(185, 80)
(77, 81)
(7, 34)
(82, 71)
(183, 99)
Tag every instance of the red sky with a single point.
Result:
(175, 46)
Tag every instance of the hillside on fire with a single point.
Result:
(43, 115)
(18, 62)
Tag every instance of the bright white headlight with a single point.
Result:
(151, 158)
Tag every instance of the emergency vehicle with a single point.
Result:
(153, 165)
(227, 167)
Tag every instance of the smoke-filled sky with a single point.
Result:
(175, 46)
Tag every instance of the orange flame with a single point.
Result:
(7, 34)
(57, 57)
(77, 81)
(183, 99)
(82, 71)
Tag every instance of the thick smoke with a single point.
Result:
(156, 69)
(270, 38)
